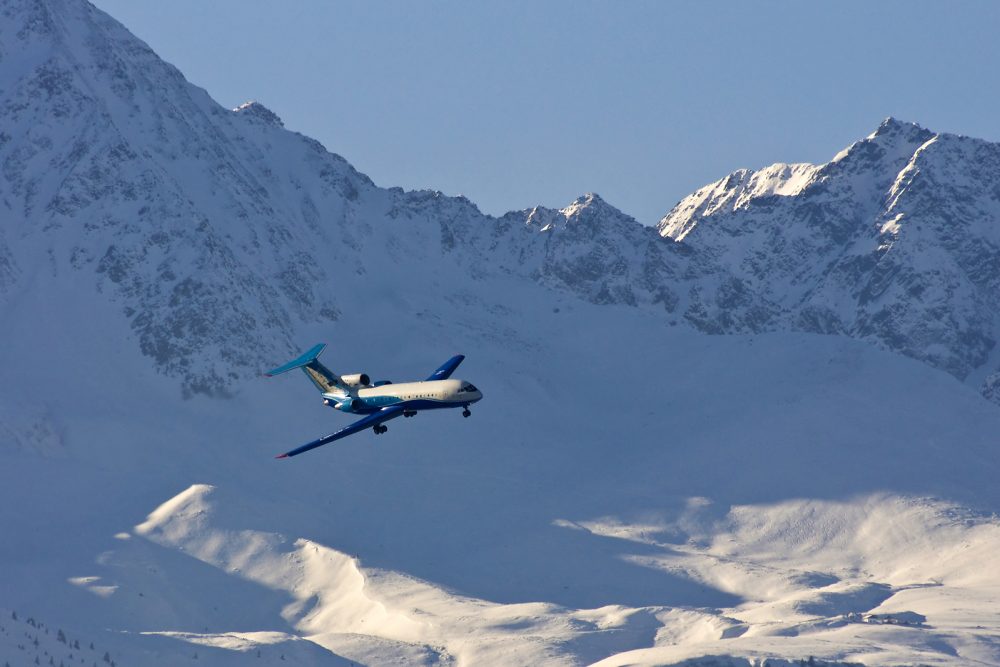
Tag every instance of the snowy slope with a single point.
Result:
(628, 491)
(723, 508)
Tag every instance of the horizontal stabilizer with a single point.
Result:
(304, 360)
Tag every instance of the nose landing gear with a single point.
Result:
(466, 413)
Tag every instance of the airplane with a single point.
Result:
(381, 401)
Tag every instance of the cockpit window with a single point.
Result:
(468, 388)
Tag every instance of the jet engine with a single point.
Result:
(356, 380)
(350, 405)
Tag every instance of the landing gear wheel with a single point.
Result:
(409, 413)
(466, 413)
(379, 429)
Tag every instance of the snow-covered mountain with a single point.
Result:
(630, 490)
(896, 240)
(122, 173)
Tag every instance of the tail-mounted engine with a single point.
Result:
(356, 380)
(350, 405)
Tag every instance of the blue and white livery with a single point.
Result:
(381, 401)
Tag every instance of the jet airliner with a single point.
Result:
(381, 401)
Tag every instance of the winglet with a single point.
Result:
(299, 361)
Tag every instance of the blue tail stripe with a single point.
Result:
(300, 361)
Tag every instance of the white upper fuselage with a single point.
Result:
(416, 395)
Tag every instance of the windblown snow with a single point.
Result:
(818, 483)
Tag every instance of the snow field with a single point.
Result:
(673, 497)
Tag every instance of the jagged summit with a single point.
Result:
(258, 112)
(589, 199)
(892, 125)
(873, 161)
(821, 252)
(591, 206)
(586, 209)
(890, 145)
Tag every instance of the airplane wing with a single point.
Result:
(447, 368)
(383, 415)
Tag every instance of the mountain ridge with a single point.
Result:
(180, 185)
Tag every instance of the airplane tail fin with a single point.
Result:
(324, 379)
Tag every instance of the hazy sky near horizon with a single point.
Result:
(519, 103)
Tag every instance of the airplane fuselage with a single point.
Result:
(415, 396)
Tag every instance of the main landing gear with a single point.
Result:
(409, 413)
(379, 429)
(466, 413)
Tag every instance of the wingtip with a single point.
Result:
(281, 456)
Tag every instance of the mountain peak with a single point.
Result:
(893, 127)
(588, 211)
(591, 198)
(254, 110)
(891, 122)
(590, 205)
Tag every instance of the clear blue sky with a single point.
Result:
(515, 104)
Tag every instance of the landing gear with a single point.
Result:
(466, 413)
(409, 413)
(380, 429)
